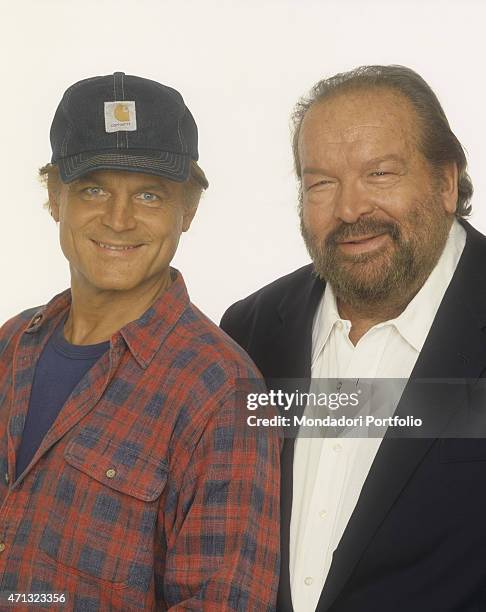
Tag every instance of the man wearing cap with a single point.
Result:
(129, 480)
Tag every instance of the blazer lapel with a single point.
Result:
(286, 351)
(455, 348)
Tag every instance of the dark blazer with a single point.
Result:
(416, 541)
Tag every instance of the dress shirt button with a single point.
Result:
(337, 448)
(2, 547)
(111, 473)
(7, 479)
(309, 580)
(323, 513)
(339, 324)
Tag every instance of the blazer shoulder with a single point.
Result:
(264, 301)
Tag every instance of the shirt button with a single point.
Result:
(7, 479)
(111, 473)
(339, 324)
(323, 513)
(337, 448)
(2, 547)
(309, 580)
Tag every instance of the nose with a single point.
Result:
(351, 202)
(118, 214)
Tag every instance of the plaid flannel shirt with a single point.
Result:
(146, 493)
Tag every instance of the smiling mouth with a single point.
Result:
(117, 247)
(360, 245)
(361, 239)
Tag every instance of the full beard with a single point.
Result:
(390, 274)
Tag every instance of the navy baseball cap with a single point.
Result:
(123, 122)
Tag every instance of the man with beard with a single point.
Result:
(396, 289)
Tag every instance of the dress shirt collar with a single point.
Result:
(415, 321)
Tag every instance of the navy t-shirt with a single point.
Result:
(59, 369)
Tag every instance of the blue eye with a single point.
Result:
(93, 192)
(148, 197)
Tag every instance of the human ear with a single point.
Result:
(53, 190)
(449, 186)
(188, 216)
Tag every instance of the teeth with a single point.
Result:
(115, 248)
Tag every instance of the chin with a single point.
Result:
(114, 284)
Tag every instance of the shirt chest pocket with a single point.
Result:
(103, 521)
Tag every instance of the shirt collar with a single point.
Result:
(415, 321)
(143, 336)
(327, 315)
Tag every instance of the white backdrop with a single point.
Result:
(241, 67)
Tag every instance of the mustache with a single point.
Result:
(362, 227)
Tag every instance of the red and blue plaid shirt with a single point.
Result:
(148, 492)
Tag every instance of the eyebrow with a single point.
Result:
(385, 158)
(90, 177)
(370, 162)
(153, 187)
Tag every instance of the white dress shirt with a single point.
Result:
(329, 473)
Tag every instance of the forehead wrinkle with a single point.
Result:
(356, 110)
(365, 140)
(133, 181)
(354, 134)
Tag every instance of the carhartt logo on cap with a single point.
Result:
(120, 116)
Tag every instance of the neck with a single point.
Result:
(364, 315)
(95, 315)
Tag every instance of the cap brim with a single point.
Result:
(173, 166)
